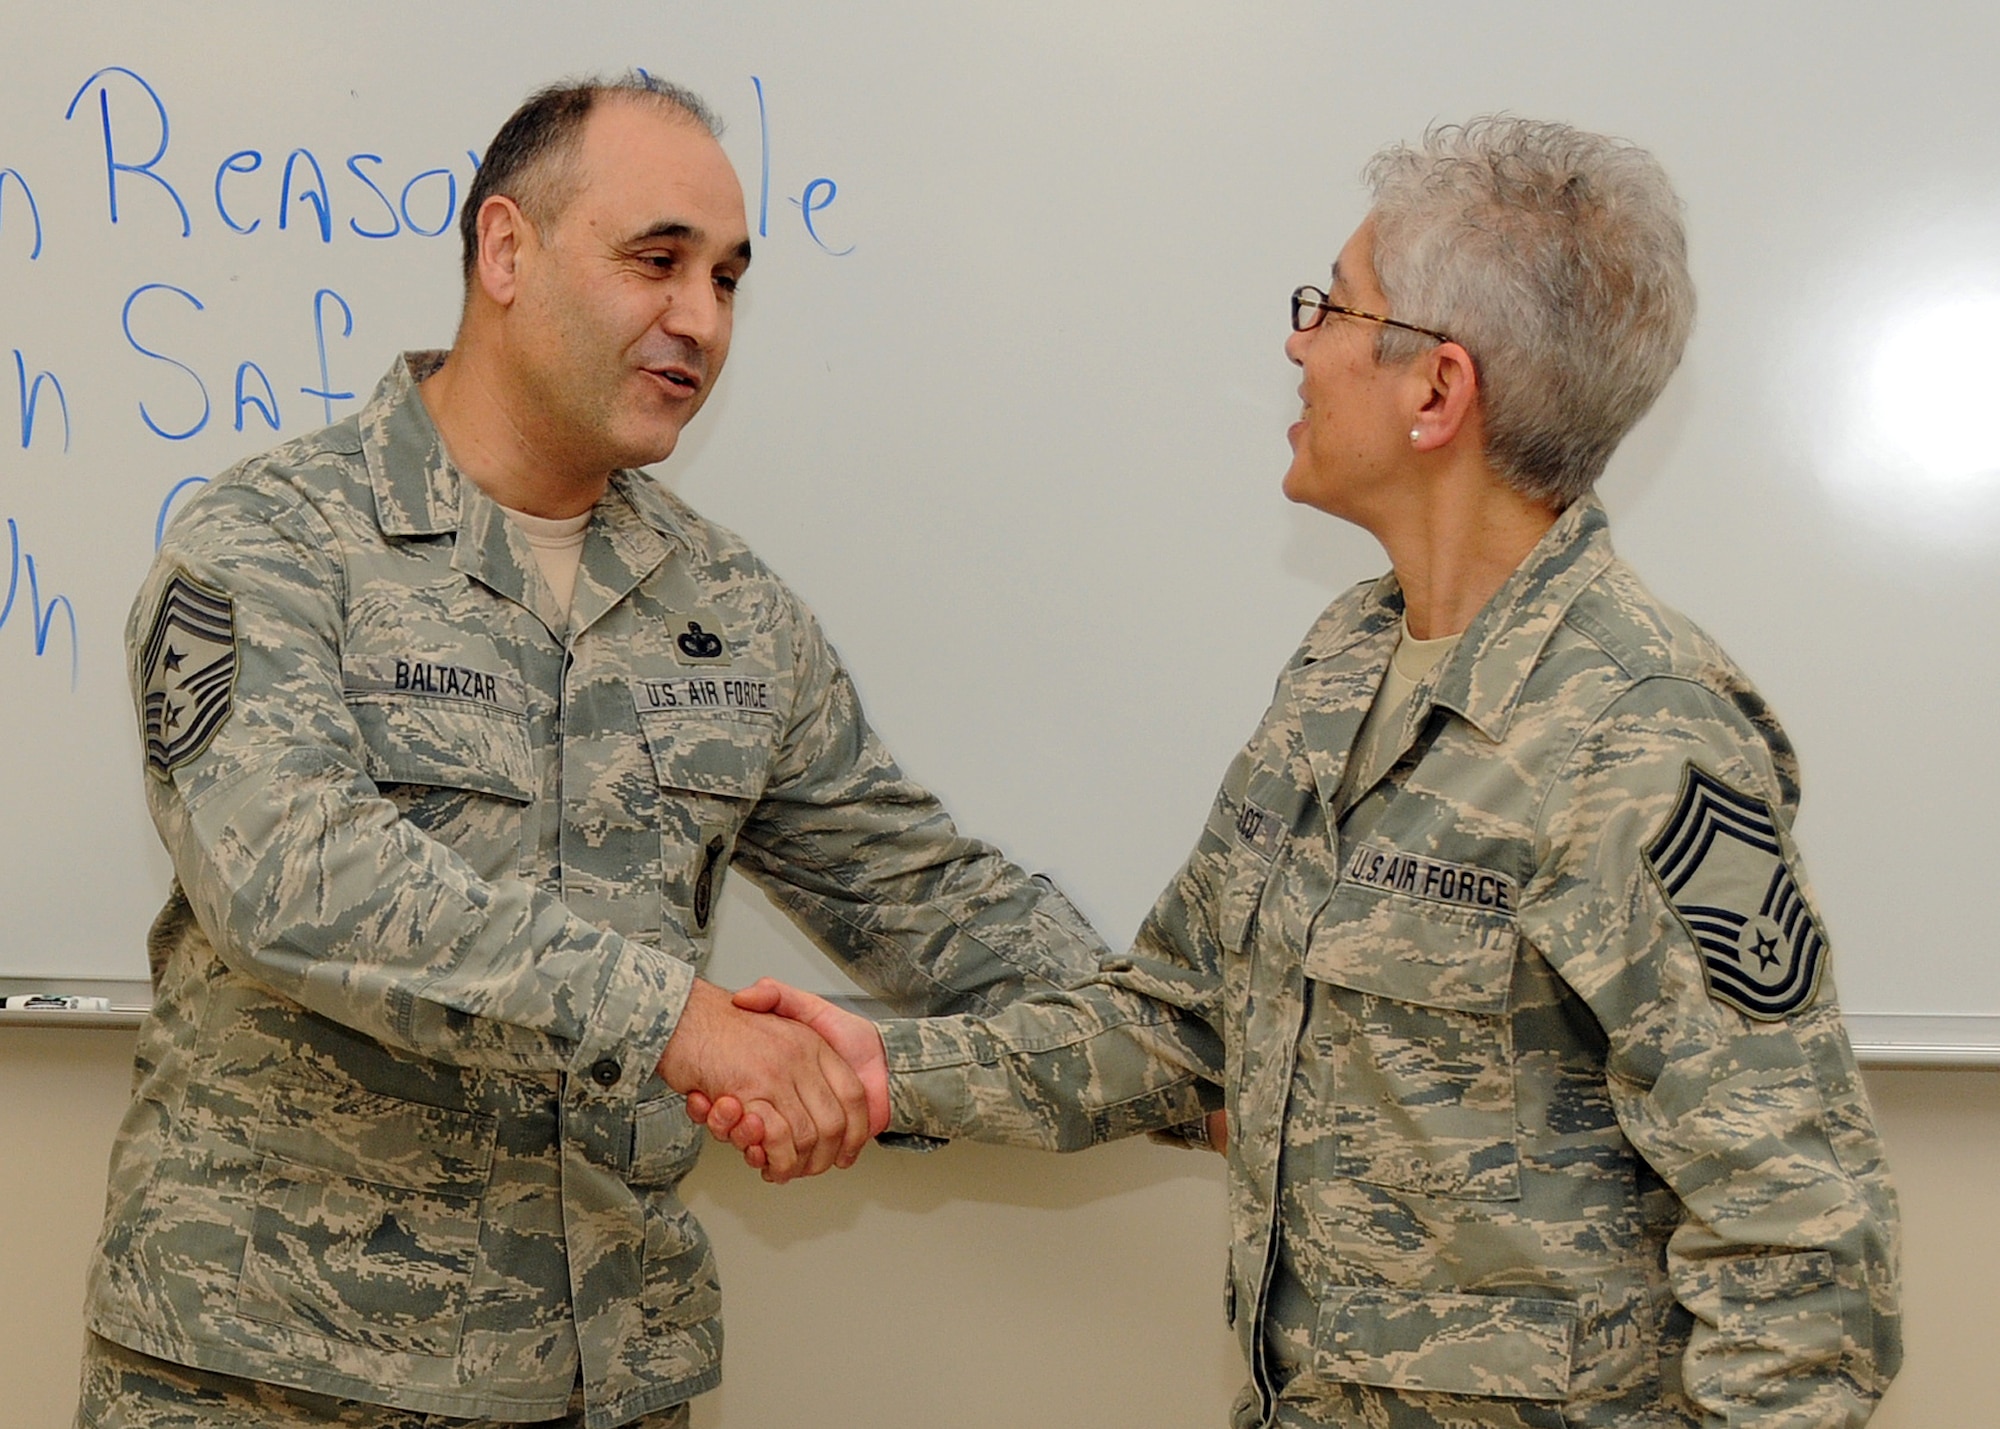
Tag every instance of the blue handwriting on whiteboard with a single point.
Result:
(31, 396)
(253, 389)
(319, 337)
(34, 209)
(816, 197)
(294, 190)
(43, 615)
(174, 494)
(125, 321)
(113, 165)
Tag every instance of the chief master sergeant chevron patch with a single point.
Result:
(189, 661)
(1725, 872)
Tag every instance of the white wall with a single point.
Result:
(975, 1287)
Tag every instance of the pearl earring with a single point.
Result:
(1416, 434)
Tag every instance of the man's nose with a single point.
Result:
(693, 311)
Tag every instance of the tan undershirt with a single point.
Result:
(558, 548)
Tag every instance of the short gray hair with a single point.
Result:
(1558, 259)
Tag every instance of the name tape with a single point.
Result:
(439, 680)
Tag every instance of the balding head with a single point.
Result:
(532, 160)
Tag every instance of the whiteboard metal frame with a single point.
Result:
(1880, 1040)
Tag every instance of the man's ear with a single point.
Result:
(1450, 398)
(503, 232)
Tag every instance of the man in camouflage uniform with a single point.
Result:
(1540, 1110)
(448, 822)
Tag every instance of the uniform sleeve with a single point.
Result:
(305, 878)
(1670, 898)
(938, 924)
(871, 866)
(1134, 1048)
(1137, 1047)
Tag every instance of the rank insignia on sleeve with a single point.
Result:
(1724, 870)
(189, 666)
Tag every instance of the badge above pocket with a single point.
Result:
(703, 642)
(1725, 871)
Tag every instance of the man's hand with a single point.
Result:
(854, 1038)
(1218, 1131)
(810, 1109)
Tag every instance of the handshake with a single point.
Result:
(791, 1081)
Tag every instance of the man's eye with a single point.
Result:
(727, 282)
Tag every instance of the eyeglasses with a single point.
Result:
(1310, 307)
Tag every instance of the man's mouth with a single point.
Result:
(684, 380)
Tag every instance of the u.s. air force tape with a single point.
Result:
(1724, 870)
(1437, 880)
(720, 694)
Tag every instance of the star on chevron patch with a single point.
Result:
(190, 671)
(1725, 872)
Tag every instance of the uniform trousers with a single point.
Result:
(123, 1389)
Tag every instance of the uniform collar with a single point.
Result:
(1484, 675)
(634, 527)
(418, 492)
(1483, 678)
(416, 486)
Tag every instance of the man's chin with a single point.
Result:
(652, 435)
(649, 450)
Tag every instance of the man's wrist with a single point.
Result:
(681, 1060)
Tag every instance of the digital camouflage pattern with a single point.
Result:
(123, 1389)
(1499, 1155)
(445, 868)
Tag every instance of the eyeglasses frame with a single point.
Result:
(1318, 303)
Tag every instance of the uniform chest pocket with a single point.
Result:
(442, 725)
(719, 750)
(712, 765)
(1422, 1046)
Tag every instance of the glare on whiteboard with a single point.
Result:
(1931, 390)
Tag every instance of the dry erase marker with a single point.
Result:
(52, 1002)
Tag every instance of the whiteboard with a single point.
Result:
(1007, 402)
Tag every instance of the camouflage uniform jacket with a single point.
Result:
(445, 869)
(1522, 1131)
